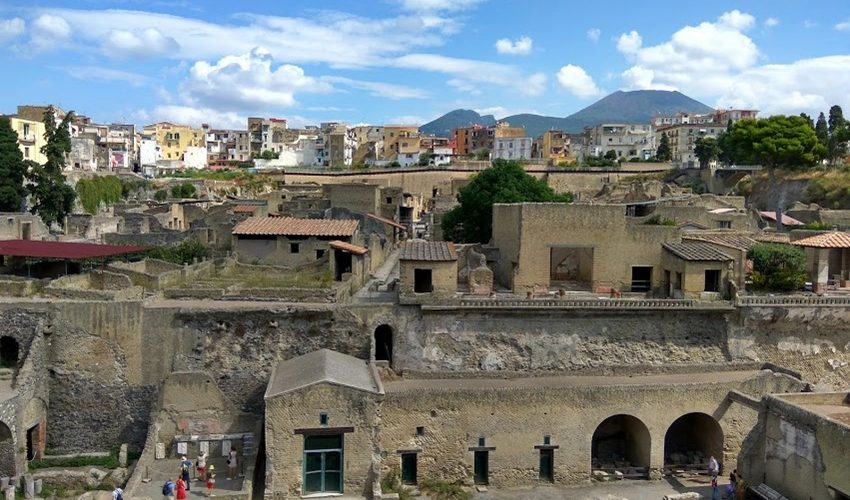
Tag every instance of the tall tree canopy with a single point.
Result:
(706, 149)
(662, 153)
(504, 182)
(839, 135)
(12, 169)
(822, 130)
(777, 142)
(52, 199)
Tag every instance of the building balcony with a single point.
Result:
(27, 138)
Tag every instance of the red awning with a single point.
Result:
(65, 250)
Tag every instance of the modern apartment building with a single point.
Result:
(628, 140)
(174, 139)
(30, 137)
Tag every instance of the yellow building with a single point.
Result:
(400, 139)
(30, 138)
(174, 139)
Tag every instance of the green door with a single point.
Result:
(323, 464)
(408, 468)
(547, 462)
(481, 467)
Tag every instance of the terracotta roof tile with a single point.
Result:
(245, 209)
(733, 240)
(290, 226)
(834, 239)
(696, 251)
(770, 237)
(348, 247)
(435, 251)
(787, 220)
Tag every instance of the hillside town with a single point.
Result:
(424, 249)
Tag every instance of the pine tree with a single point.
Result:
(663, 151)
(836, 119)
(822, 130)
(12, 169)
(52, 198)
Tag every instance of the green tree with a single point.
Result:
(184, 253)
(160, 195)
(12, 169)
(777, 143)
(185, 190)
(808, 119)
(52, 198)
(822, 130)
(777, 267)
(662, 153)
(839, 135)
(610, 155)
(504, 182)
(707, 150)
(482, 154)
(425, 158)
(99, 191)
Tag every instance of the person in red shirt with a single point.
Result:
(181, 489)
(210, 484)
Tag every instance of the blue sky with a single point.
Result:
(393, 61)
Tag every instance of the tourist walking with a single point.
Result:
(117, 494)
(231, 463)
(210, 484)
(713, 467)
(201, 466)
(181, 489)
(185, 467)
(168, 490)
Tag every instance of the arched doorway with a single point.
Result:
(622, 443)
(7, 451)
(690, 440)
(384, 343)
(9, 352)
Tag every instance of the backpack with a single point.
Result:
(166, 489)
(119, 497)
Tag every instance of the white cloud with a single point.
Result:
(437, 5)
(629, 43)
(807, 85)
(736, 20)
(379, 89)
(48, 31)
(11, 28)
(770, 22)
(148, 42)
(593, 34)
(470, 72)
(519, 47)
(576, 80)
(108, 74)
(194, 116)
(697, 58)
(247, 82)
(464, 86)
(843, 26)
(810, 24)
(492, 110)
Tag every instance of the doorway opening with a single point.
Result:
(691, 440)
(9, 352)
(641, 278)
(620, 442)
(481, 466)
(384, 343)
(323, 463)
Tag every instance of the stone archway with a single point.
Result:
(621, 442)
(7, 451)
(690, 440)
(384, 343)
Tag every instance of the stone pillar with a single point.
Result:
(10, 492)
(39, 484)
(821, 269)
(4, 482)
(122, 455)
(29, 486)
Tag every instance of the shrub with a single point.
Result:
(657, 220)
(185, 190)
(184, 253)
(160, 195)
(777, 267)
(817, 226)
(391, 483)
(439, 489)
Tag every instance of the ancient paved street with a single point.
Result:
(621, 490)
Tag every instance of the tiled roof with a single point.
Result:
(434, 251)
(834, 239)
(733, 240)
(787, 220)
(245, 209)
(290, 226)
(322, 366)
(696, 251)
(348, 247)
(769, 237)
(386, 221)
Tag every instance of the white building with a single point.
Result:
(442, 156)
(511, 148)
(149, 152)
(195, 157)
(628, 140)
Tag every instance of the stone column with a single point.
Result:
(10, 492)
(821, 269)
(29, 486)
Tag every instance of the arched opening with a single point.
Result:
(7, 451)
(691, 440)
(621, 443)
(384, 343)
(8, 352)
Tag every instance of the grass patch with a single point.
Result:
(439, 489)
(108, 462)
(306, 278)
(391, 483)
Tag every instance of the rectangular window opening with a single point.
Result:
(422, 281)
(712, 280)
(294, 247)
(323, 418)
(408, 468)
(420, 431)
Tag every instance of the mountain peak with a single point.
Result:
(622, 106)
